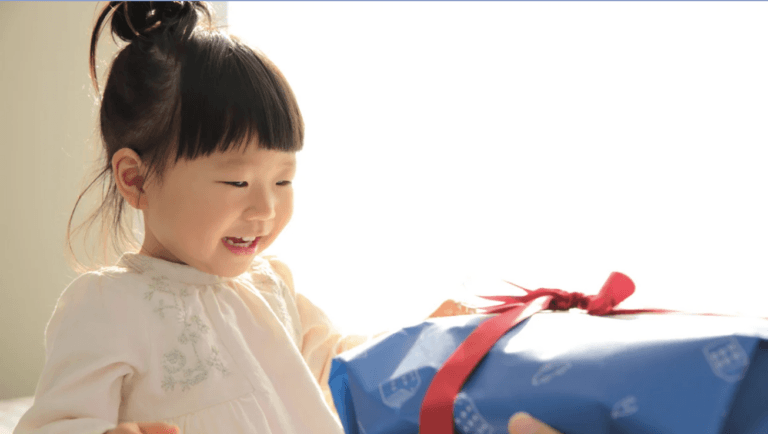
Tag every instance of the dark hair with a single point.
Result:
(180, 89)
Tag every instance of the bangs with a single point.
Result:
(232, 96)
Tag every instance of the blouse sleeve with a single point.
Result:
(87, 342)
(320, 340)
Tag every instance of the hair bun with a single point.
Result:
(133, 19)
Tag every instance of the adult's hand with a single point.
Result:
(523, 423)
(452, 308)
(144, 428)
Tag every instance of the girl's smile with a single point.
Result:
(244, 248)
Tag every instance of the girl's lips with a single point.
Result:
(248, 250)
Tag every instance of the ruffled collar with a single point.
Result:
(176, 272)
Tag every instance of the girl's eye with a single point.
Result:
(241, 184)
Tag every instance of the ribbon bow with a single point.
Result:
(436, 416)
(615, 290)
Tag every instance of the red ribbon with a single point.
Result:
(615, 290)
(436, 416)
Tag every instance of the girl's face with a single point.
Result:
(187, 219)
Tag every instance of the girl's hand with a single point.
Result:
(452, 308)
(523, 423)
(144, 428)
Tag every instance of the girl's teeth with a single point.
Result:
(245, 239)
(245, 244)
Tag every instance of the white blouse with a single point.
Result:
(151, 340)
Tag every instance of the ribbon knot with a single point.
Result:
(615, 290)
(563, 300)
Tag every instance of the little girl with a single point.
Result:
(195, 333)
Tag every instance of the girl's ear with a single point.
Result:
(126, 165)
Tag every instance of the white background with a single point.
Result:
(449, 144)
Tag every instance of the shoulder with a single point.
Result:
(84, 289)
(101, 286)
(107, 295)
(97, 307)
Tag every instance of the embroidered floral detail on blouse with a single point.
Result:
(269, 282)
(177, 370)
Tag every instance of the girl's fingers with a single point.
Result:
(523, 423)
(157, 428)
(452, 308)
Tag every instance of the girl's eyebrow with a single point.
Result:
(235, 162)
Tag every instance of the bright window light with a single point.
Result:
(453, 144)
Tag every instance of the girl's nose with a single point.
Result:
(262, 205)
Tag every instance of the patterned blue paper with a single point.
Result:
(582, 374)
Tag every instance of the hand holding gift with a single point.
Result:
(452, 308)
(523, 423)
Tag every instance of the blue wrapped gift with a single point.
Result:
(643, 373)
